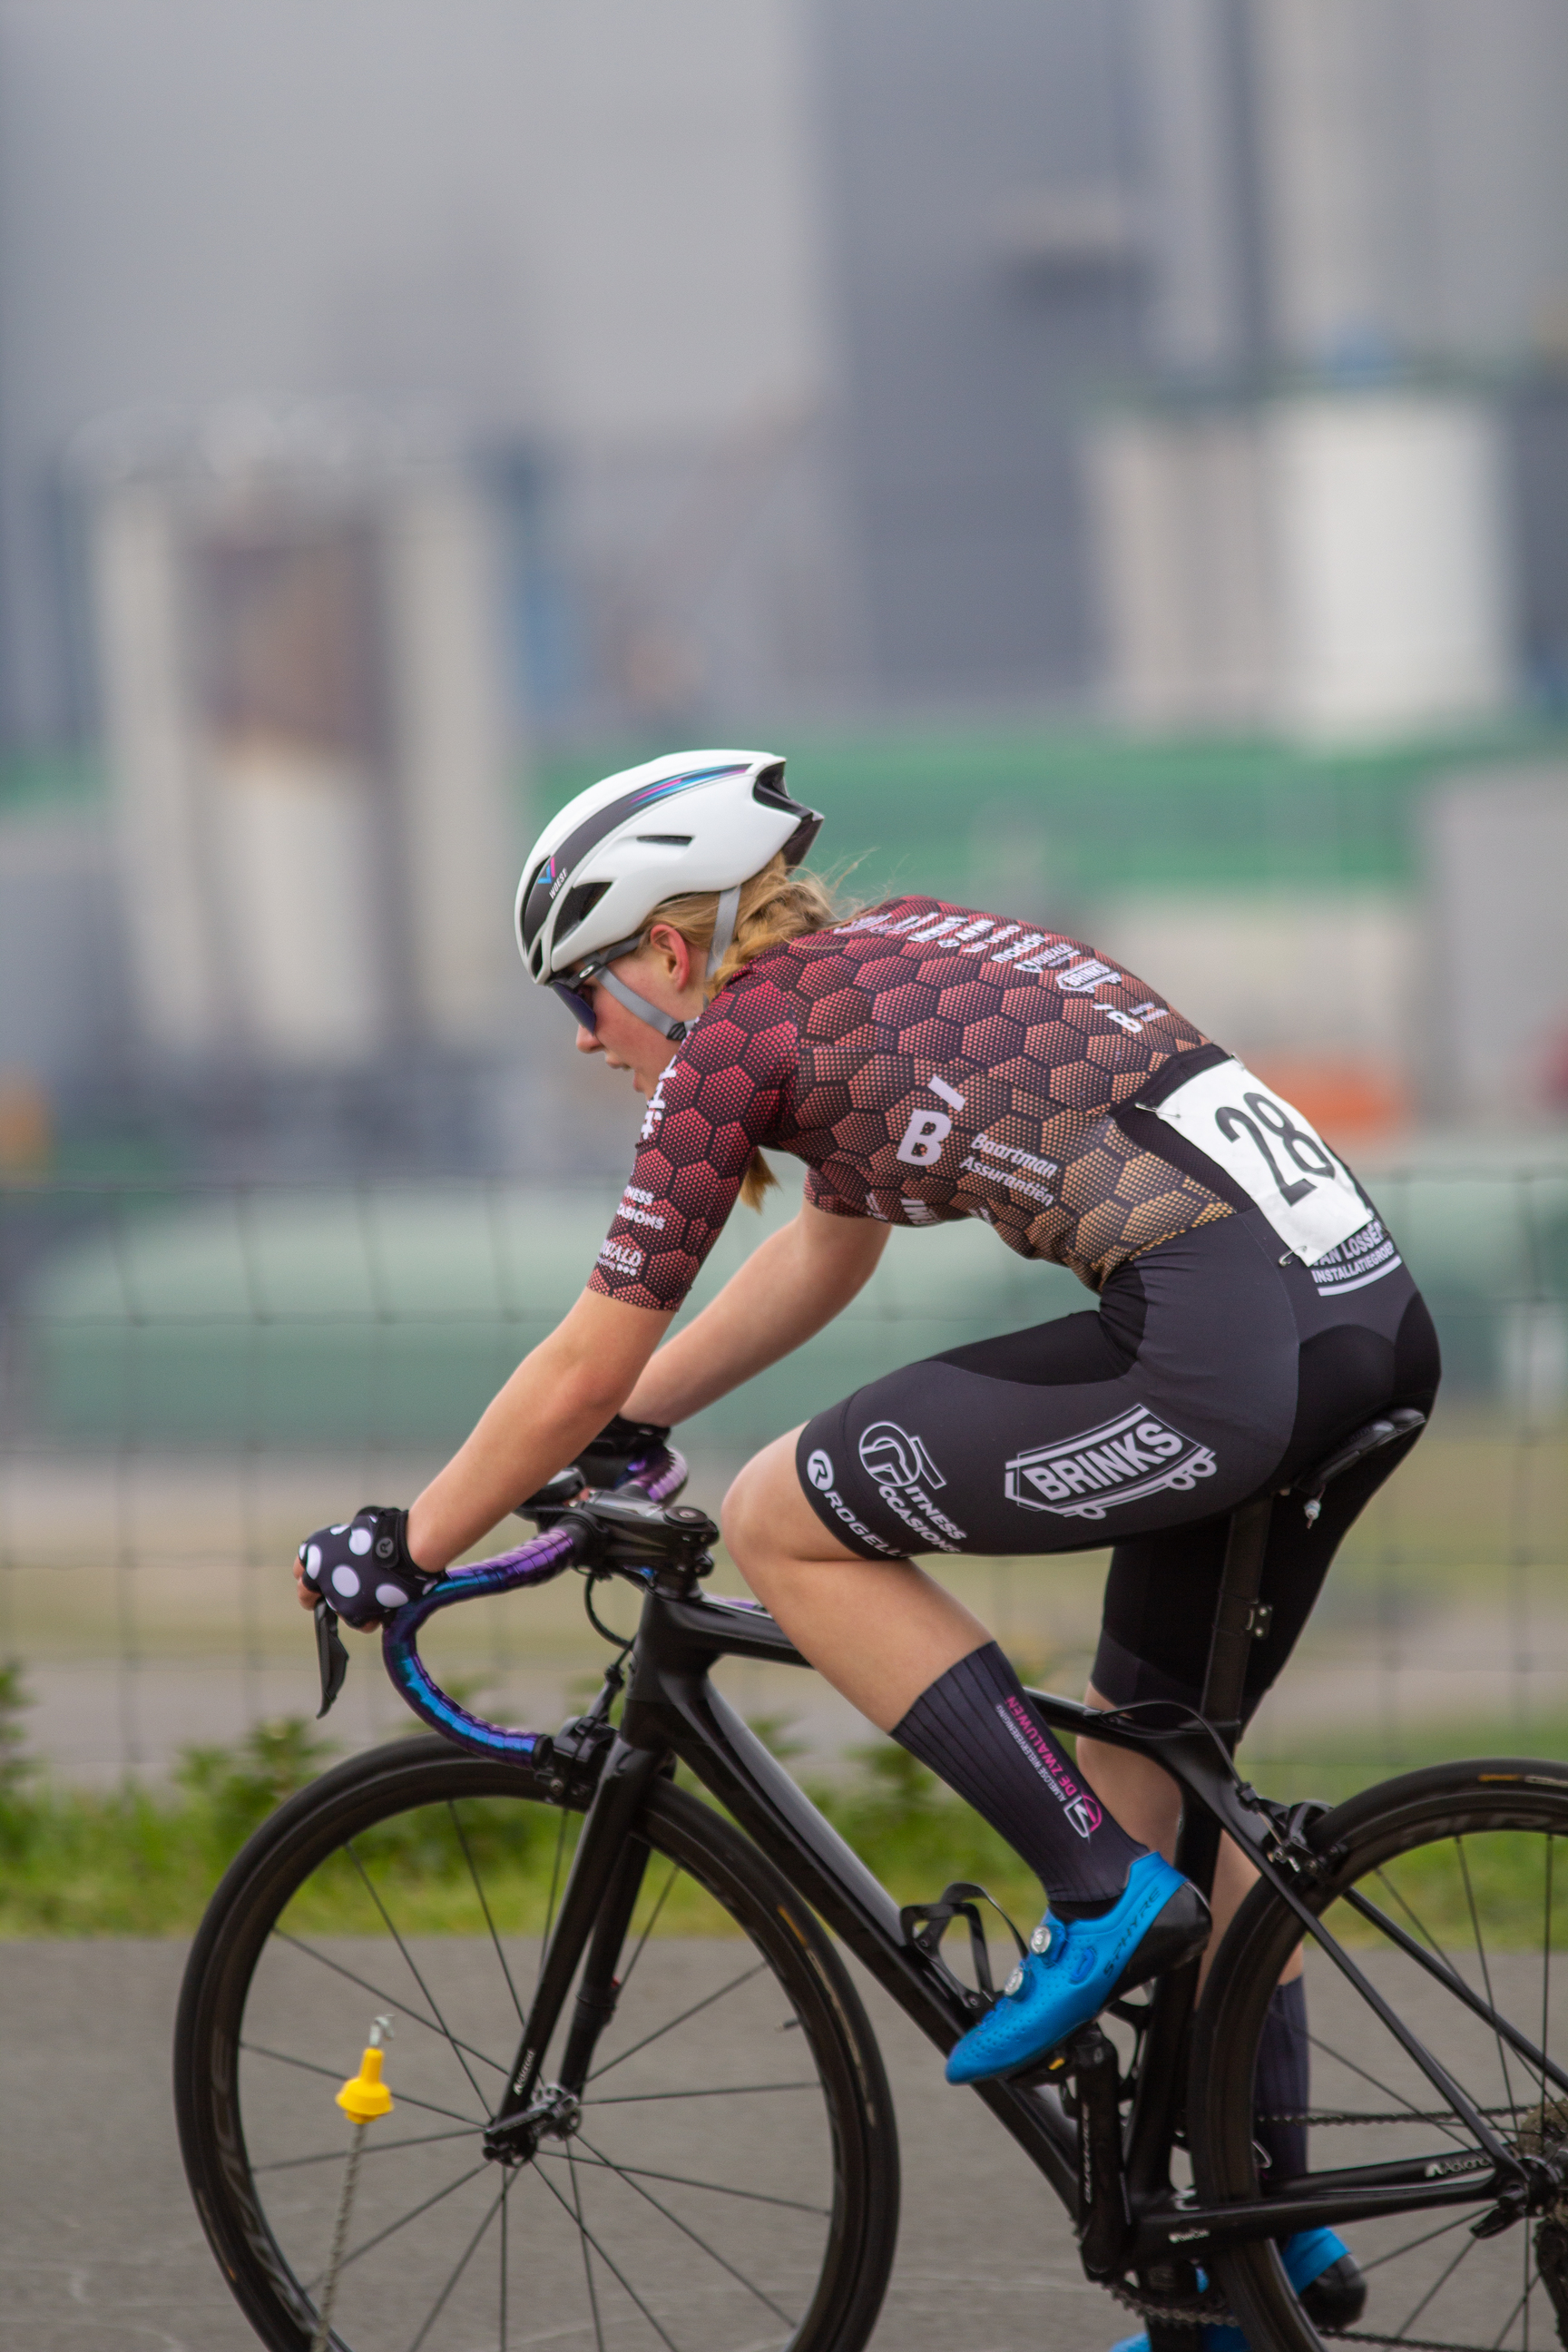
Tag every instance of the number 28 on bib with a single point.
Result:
(1268, 1149)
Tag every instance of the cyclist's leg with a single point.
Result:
(875, 1625)
(1162, 1588)
(912, 1658)
(1160, 1603)
(1034, 1442)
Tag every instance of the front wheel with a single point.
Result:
(1461, 1861)
(728, 2178)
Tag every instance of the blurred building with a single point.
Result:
(581, 240)
(1333, 565)
(784, 323)
(1497, 856)
(383, 384)
(985, 238)
(1364, 208)
(307, 743)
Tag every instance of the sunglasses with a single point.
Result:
(582, 1007)
(570, 992)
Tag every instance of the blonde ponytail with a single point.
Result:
(776, 905)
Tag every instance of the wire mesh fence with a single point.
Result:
(193, 1374)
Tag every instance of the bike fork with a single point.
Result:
(601, 1893)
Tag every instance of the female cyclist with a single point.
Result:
(928, 1062)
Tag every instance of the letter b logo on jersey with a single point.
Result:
(926, 1133)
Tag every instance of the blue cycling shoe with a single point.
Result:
(1324, 2273)
(1073, 1967)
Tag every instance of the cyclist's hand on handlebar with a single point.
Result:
(362, 1567)
(608, 1456)
(603, 1461)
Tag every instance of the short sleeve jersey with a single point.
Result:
(927, 1063)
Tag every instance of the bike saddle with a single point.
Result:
(1403, 1422)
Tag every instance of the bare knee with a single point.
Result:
(756, 1519)
(738, 1512)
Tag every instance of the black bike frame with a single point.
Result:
(672, 1711)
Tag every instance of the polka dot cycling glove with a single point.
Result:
(363, 1567)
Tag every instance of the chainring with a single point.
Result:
(1209, 2309)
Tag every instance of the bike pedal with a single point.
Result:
(1053, 2069)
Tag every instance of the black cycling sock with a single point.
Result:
(977, 1731)
(1281, 2083)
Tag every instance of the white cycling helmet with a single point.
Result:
(695, 821)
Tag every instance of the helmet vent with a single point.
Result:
(576, 905)
(666, 840)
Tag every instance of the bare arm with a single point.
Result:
(558, 1397)
(798, 1280)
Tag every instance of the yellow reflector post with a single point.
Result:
(364, 2096)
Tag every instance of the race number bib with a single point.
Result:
(1272, 1153)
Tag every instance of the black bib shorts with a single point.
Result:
(1217, 1367)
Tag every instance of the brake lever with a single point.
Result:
(332, 1657)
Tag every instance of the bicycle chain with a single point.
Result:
(1212, 2312)
(1400, 2115)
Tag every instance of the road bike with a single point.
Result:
(661, 2116)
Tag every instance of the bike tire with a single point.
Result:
(1462, 1857)
(237, 2098)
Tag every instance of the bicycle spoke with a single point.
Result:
(1522, 2305)
(674, 2219)
(1387, 2089)
(715, 2091)
(695, 2010)
(582, 2242)
(1420, 1927)
(550, 1904)
(589, 2239)
(376, 2148)
(505, 2194)
(413, 2214)
(403, 2221)
(652, 1923)
(1486, 1980)
(377, 1992)
(1443, 1972)
(464, 2259)
(467, 1856)
(335, 2074)
(1411, 2244)
(722, 2188)
(413, 1970)
(1464, 2253)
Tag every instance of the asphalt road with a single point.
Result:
(100, 2250)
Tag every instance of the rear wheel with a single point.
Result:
(1462, 1861)
(729, 2178)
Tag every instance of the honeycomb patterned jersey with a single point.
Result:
(927, 1063)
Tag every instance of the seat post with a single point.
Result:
(1236, 1622)
(1225, 1681)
